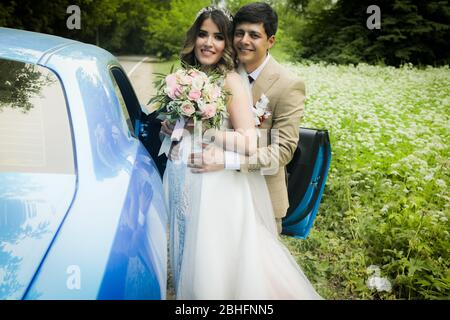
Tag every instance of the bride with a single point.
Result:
(223, 238)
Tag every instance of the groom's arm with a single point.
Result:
(285, 123)
(286, 119)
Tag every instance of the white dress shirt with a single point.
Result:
(255, 74)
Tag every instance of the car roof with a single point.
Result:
(29, 47)
(37, 48)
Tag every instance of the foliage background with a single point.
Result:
(415, 31)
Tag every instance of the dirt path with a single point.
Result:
(139, 70)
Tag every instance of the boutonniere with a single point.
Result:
(260, 110)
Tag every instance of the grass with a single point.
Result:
(165, 66)
(386, 202)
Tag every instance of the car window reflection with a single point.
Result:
(20, 82)
(35, 131)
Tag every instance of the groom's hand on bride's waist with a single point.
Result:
(167, 127)
(210, 159)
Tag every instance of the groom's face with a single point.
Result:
(251, 44)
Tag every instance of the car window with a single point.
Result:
(128, 100)
(123, 106)
(35, 133)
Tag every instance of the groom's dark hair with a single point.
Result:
(258, 12)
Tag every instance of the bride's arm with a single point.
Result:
(243, 138)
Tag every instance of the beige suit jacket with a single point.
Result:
(286, 94)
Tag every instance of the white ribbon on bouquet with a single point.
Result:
(176, 136)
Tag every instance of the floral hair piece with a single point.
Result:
(213, 8)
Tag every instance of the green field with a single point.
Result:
(386, 202)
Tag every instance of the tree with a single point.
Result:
(39, 16)
(19, 82)
(115, 25)
(411, 31)
(168, 23)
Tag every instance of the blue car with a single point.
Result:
(82, 213)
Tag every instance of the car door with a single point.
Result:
(37, 170)
(137, 266)
(307, 173)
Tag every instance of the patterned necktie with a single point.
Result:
(250, 79)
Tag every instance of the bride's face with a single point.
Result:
(210, 43)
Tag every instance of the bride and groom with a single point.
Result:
(225, 214)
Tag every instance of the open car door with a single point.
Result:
(306, 174)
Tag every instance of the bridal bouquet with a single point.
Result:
(190, 94)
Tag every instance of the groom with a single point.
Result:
(255, 28)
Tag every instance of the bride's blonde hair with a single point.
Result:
(225, 26)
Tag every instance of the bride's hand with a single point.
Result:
(210, 159)
(189, 123)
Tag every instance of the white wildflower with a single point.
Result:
(373, 269)
(377, 282)
(441, 183)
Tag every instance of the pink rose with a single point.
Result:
(187, 109)
(194, 95)
(185, 80)
(175, 92)
(171, 80)
(194, 74)
(173, 89)
(209, 111)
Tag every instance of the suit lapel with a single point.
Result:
(265, 81)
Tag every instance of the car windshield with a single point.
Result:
(35, 133)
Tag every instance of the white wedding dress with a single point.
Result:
(223, 239)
